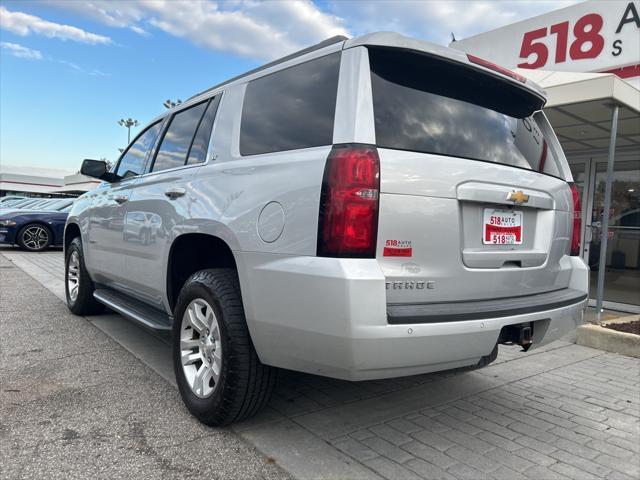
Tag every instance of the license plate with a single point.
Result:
(502, 227)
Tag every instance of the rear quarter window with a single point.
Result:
(292, 108)
(429, 105)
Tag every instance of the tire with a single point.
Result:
(35, 237)
(80, 299)
(219, 341)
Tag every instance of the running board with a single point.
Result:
(134, 310)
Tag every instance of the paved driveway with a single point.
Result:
(564, 411)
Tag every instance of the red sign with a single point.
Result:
(588, 42)
(397, 248)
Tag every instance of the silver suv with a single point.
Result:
(365, 208)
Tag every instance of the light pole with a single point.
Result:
(170, 103)
(129, 122)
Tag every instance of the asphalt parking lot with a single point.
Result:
(95, 397)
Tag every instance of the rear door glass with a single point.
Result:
(429, 105)
(178, 137)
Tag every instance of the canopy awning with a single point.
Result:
(579, 109)
(79, 188)
(24, 187)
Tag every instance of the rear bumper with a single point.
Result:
(329, 317)
(399, 314)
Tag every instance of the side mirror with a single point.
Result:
(97, 169)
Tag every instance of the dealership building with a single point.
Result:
(43, 181)
(587, 58)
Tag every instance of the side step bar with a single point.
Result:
(135, 310)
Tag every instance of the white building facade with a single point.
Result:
(42, 181)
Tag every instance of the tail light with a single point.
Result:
(577, 220)
(348, 221)
(496, 68)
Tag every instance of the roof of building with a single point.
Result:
(573, 87)
(29, 179)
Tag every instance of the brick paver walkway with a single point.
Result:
(560, 412)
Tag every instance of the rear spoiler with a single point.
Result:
(395, 40)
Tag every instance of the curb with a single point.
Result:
(595, 336)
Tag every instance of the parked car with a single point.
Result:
(28, 203)
(363, 209)
(142, 227)
(33, 230)
(8, 199)
(21, 203)
(38, 205)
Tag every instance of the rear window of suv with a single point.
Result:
(430, 105)
(292, 108)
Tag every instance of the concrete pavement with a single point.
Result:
(76, 404)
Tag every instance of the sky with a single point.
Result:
(70, 69)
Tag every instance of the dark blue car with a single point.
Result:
(33, 230)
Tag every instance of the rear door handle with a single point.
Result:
(121, 199)
(175, 192)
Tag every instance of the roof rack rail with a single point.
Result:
(317, 46)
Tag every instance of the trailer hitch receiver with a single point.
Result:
(520, 334)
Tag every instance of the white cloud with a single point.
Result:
(24, 24)
(250, 28)
(21, 51)
(259, 30)
(77, 68)
(139, 30)
(270, 29)
(435, 20)
(124, 14)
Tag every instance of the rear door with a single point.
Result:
(159, 202)
(473, 204)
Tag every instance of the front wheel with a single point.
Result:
(35, 237)
(79, 287)
(219, 375)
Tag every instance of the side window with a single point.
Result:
(132, 162)
(290, 109)
(178, 137)
(198, 152)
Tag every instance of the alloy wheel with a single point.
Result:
(73, 275)
(35, 237)
(201, 348)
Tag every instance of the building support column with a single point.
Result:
(605, 214)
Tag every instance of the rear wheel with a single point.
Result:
(35, 237)
(219, 375)
(79, 287)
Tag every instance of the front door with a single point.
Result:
(105, 255)
(104, 252)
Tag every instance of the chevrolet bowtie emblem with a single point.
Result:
(518, 197)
